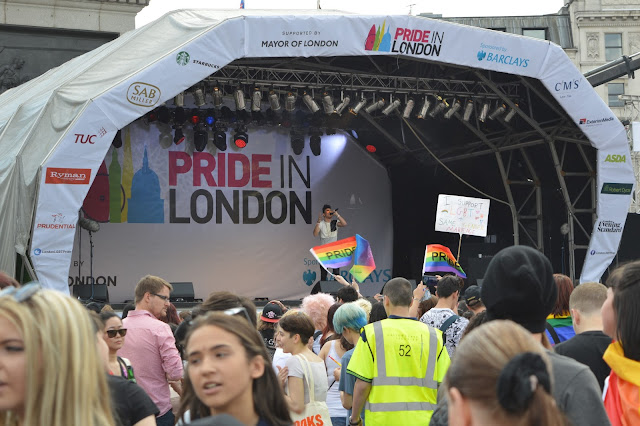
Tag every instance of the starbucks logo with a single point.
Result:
(182, 58)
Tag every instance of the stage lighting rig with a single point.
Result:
(375, 106)
(198, 97)
(454, 108)
(256, 98)
(343, 105)
(274, 101)
(327, 103)
(468, 110)
(238, 96)
(297, 142)
(217, 97)
(241, 137)
(393, 106)
(408, 108)
(426, 104)
(356, 109)
(315, 141)
(290, 102)
(484, 112)
(500, 109)
(441, 105)
(512, 112)
(309, 102)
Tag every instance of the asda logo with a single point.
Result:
(615, 158)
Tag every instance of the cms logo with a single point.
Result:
(567, 85)
(83, 139)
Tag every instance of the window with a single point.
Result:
(502, 30)
(615, 89)
(540, 33)
(612, 46)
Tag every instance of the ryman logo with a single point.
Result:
(596, 121)
(617, 188)
(58, 175)
(143, 94)
(496, 54)
(182, 58)
(412, 41)
(615, 158)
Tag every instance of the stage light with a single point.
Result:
(354, 134)
(512, 112)
(297, 143)
(220, 140)
(468, 109)
(274, 101)
(200, 138)
(290, 102)
(315, 142)
(179, 115)
(454, 108)
(341, 107)
(441, 105)
(179, 100)
(375, 106)
(241, 138)
(198, 97)
(178, 136)
(164, 138)
(194, 119)
(484, 112)
(210, 117)
(217, 97)
(424, 108)
(391, 107)
(356, 109)
(408, 108)
(164, 115)
(256, 98)
(117, 140)
(371, 148)
(327, 103)
(238, 96)
(498, 111)
(309, 102)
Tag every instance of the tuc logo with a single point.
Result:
(57, 175)
(615, 158)
(143, 94)
(84, 139)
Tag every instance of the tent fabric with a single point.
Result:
(46, 170)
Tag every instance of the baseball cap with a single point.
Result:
(472, 295)
(271, 312)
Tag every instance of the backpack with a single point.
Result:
(445, 326)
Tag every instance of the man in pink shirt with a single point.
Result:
(150, 345)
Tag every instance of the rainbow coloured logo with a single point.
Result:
(378, 40)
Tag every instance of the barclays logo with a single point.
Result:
(481, 55)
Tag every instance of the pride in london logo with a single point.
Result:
(378, 40)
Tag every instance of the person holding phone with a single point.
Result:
(327, 229)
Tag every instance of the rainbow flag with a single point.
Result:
(342, 252)
(438, 258)
(364, 263)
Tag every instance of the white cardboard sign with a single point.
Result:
(462, 215)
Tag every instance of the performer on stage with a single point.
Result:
(327, 229)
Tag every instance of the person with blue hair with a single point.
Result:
(348, 320)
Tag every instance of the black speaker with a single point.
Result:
(100, 292)
(329, 287)
(182, 292)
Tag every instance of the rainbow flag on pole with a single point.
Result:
(342, 252)
(438, 258)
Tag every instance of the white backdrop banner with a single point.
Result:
(239, 220)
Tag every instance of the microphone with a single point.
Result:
(89, 224)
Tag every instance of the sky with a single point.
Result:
(446, 8)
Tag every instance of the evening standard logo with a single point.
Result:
(143, 94)
(615, 158)
(58, 222)
(58, 175)
(617, 188)
(500, 55)
(410, 41)
(38, 252)
(182, 58)
(596, 122)
(600, 253)
(609, 226)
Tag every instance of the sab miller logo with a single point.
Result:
(182, 58)
(143, 94)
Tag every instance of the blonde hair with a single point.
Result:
(483, 358)
(365, 305)
(150, 284)
(65, 378)
(588, 298)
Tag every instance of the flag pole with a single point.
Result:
(459, 244)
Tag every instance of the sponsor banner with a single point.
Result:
(177, 71)
(240, 219)
(67, 176)
(462, 215)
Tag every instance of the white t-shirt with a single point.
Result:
(319, 378)
(279, 359)
(326, 235)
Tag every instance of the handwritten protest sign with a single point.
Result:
(462, 215)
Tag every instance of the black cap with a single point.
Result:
(272, 312)
(472, 296)
(519, 286)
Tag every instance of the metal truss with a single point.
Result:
(287, 79)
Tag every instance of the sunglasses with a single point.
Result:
(23, 293)
(121, 331)
(238, 311)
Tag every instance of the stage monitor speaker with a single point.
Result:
(329, 287)
(100, 292)
(182, 292)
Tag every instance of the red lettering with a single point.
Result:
(222, 169)
(78, 137)
(310, 421)
(175, 168)
(319, 421)
(399, 32)
(407, 34)
(417, 35)
(245, 170)
(205, 170)
(425, 36)
(257, 171)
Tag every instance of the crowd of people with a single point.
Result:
(525, 348)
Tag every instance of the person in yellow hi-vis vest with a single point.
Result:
(399, 363)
